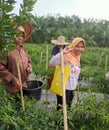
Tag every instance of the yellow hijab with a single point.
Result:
(72, 58)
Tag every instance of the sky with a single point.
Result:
(97, 9)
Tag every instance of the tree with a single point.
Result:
(9, 22)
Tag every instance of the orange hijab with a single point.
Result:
(71, 57)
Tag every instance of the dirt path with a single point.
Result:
(50, 98)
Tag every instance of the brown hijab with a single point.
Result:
(27, 29)
(71, 57)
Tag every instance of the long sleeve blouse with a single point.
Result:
(8, 68)
(74, 75)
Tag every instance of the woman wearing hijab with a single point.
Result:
(71, 54)
(8, 67)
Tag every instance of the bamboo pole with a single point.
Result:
(40, 58)
(21, 92)
(63, 91)
(46, 69)
(100, 58)
(47, 57)
(106, 61)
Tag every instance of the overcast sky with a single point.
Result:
(83, 8)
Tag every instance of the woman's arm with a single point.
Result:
(5, 75)
(55, 60)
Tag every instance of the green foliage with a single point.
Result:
(6, 26)
(9, 22)
(87, 114)
(94, 31)
(94, 64)
(40, 58)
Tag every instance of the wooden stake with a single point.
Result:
(46, 57)
(63, 91)
(46, 69)
(21, 92)
(106, 66)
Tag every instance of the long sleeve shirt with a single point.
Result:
(74, 75)
(9, 71)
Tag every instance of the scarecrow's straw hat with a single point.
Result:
(60, 41)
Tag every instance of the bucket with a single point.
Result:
(34, 89)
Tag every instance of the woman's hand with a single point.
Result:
(29, 69)
(17, 84)
(67, 50)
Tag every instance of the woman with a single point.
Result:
(72, 55)
(8, 67)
